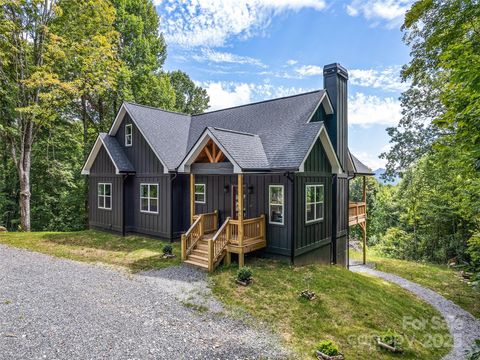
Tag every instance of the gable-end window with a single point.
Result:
(149, 198)
(128, 134)
(276, 204)
(105, 196)
(314, 195)
(200, 193)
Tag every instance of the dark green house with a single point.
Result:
(270, 177)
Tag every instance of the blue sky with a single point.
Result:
(250, 50)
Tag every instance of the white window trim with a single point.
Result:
(128, 136)
(315, 203)
(104, 196)
(204, 193)
(270, 205)
(148, 197)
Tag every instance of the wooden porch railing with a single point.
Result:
(356, 213)
(217, 245)
(203, 223)
(253, 229)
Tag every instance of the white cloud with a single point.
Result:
(369, 159)
(389, 12)
(226, 57)
(368, 110)
(387, 79)
(225, 94)
(191, 23)
(291, 62)
(309, 70)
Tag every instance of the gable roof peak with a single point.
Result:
(156, 108)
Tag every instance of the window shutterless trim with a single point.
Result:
(128, 135)
(104, 196)
(315, 219)
(148, 197)
(270, 204)
(199, 193)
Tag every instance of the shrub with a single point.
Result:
(328, 348)
(244, 274)
(396, 243)
(474, 251)
(167, 249)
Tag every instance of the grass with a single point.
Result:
(135, 253)
(439, 278)
(350, 310)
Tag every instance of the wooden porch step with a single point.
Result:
(198, 258)
(200, 252)
(196, 263)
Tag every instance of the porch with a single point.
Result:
(357, 215)
(207, 243)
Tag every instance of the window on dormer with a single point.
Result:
(128, 135)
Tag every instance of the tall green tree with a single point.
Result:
(189, 98)
(29, 86)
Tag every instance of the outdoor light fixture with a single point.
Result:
(250, 189)
(226, 188)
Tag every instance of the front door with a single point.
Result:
(235, 202)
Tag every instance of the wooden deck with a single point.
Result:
(205, 245)
(357, 213)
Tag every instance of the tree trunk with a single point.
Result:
(25, 200)
(85, 152)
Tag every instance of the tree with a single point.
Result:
(28, 86)
(189, 98)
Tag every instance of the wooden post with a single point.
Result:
(210, 255)
(241, 256)
(192, 197)
(184, 247)
(364, 225)
(228, 257)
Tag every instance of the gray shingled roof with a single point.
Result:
(246, 149)
(281, 125)
(165, 131)
(116, 153)
(359, 167)
(282, 133)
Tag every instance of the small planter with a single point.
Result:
(168, 256)
(308, 295)
(388, 347)
(323, 356)
(244, 283)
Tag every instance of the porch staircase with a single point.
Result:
(205, 245)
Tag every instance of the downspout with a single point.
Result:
(292, 207)
(172, 178)
(123, 203)
(333, 247)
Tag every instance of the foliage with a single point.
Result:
(474, 251)
(396, 243)
(87, 58)
(167, 249)
(350, 309)
(244, 274)
(328, 348)
(474, 353)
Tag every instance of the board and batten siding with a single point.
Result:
(312, 241)
(256, 189)
(103, 171)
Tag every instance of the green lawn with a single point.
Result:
(350, 309)
(135, 253)
(439, 278)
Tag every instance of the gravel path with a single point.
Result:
(53, 308)
(463, 326)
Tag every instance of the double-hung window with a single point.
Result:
(128, 134)
(149, 198)
(314, 200)
(105, 196)
(200, 193)
(276, 204)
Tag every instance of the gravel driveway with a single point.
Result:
(463, 326)
(53, 308)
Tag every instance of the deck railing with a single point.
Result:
(253, 229)
(217, 245)
(356, 212)
(203, 223)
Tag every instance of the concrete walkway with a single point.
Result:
(463, 326)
